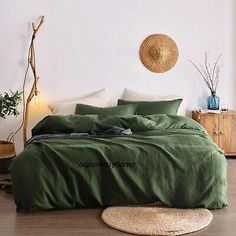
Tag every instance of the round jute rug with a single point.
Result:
(152, 220)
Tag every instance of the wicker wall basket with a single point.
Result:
(7, 153)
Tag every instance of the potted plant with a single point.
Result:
(8, 107)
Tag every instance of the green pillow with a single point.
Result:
(124, 110)
(154, 107)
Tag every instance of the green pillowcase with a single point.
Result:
(154, 107)
(124, 110)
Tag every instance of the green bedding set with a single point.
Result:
(167, 158)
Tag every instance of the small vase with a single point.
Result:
(213, 102)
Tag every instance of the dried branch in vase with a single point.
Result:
(209, 73)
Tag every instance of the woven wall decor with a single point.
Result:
(158, 53)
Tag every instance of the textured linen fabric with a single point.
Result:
(100, 98)
(124, 110)
(170, 159)
(154, 107)
(132, 95)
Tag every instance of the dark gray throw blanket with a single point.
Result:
(113, 131)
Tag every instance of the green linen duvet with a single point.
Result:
(168, 159)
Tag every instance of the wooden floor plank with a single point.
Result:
(88, 221)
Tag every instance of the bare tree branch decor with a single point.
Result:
(209, 73)
(34, 90)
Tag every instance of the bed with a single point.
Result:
(74, 162)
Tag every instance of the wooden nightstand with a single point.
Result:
(221, 127)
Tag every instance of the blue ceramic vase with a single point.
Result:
(213, 102)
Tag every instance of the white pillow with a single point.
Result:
(132, 95)
(99, 98)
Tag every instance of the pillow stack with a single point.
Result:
(132, 103)
(131, 95)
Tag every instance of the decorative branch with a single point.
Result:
(35, 30)
(215, 65)
(207, 70)
(206, 75)
(34, 90)
(209, 74)
(31, 95)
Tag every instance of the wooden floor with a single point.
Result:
(88, 221)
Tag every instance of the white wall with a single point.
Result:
(86, 45)
(230, 52)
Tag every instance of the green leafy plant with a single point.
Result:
(9, 103)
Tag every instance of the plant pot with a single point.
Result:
(7, 153)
